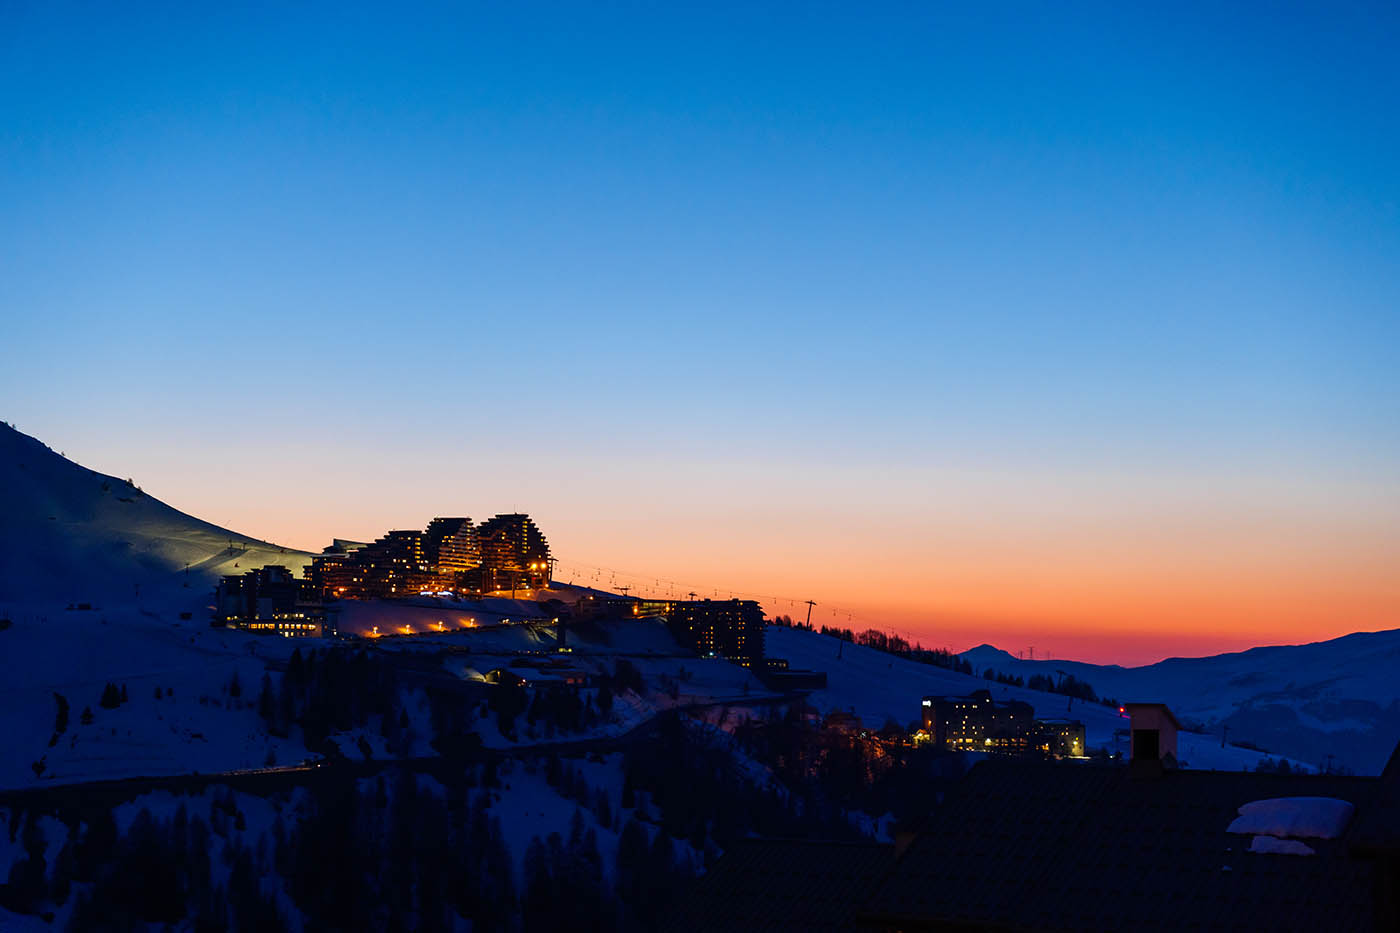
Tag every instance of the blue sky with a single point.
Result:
(1011, 241)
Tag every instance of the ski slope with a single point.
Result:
(69, 535)
(880, 687)
(1337, 697)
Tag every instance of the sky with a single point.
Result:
(1065, 329)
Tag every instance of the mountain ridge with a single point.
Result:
(1335, 697)
(72, 534)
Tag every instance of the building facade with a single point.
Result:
(508, 553)
(451, 546)
(978, 723)
(729, 628)
(514, 554)
(1060, 738)
(270, 600)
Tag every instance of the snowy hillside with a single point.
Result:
(1337, 697)
(180, 715)
(71, 535)
(879, 687)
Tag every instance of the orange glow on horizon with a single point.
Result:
(1127, 566)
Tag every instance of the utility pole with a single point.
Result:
(1224, 732)
(810, 604)
(625, 590)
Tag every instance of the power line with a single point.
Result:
(673, 589)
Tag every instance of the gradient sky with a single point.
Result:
(1068, 329)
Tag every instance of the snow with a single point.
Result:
(528, 806)
(428, 615)
(74, 535)
(880, 687)
(71, 535)
(1270, 845)
(1306, 817)
(194, 726)
(256, 814)
(1332, 698)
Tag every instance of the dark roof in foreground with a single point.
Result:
(1063, 846)
(776, 886)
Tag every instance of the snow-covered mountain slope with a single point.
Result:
(69, 535)
(879, 687)
(1338, 697)
(182, 712)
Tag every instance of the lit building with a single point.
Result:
(1059, 738)
(394, 565)
(506, 553)
(451, 546)
(334, 571)
(978, 723)
(271, 600)
(729, 628)
(514, 553)
(623, 607)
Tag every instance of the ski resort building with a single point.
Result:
(728, 628)
(334, 572)
(394, 565)
(979, 723)
(514, 554)
(1060, 738)
(505, 553)
(452, 546)
(271, 600)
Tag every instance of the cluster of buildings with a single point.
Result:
(1040, 845)
(979, 723)
(272, 600)
(505, 554)
(726, 628)
(732, 629)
